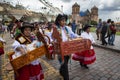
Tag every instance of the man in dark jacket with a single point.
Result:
(103, 33)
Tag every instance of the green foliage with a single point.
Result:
(92, 29)
(93, 22)
(117, 33)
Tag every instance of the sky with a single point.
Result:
(107, 8)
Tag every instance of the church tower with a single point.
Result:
(75, 9)
(94, 13)
(75, 12)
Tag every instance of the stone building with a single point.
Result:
(84, 16)
(9, 12)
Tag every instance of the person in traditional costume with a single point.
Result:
(88, 56)
(64, 33)
(48, 32)
(2, 41)
(32, 71)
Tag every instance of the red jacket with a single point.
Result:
(113, 29)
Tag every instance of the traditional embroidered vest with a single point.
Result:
(59, 29)
(57, 38)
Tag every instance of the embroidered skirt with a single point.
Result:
(86, 57)
(1, 50)
(30, 72)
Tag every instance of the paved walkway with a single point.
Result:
(106, 66)
(0, 67)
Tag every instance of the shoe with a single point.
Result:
(81, 64)
(85, 66)
(61, 72)
(112, 45)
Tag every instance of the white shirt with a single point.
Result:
(15, 45)
(70, 34)
(49, 34)
(89, 36)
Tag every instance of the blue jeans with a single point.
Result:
(112, 39)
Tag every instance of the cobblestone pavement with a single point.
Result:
(0, 67)
(49, 71)
(106, 67)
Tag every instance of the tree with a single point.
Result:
(93, 22)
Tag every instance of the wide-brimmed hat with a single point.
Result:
(86, 27)
(26, 26)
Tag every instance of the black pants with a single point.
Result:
(64, 68)
(103, 39)
(79, 31)
(108, 36)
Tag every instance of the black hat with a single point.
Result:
(86, 27)
(26, 26)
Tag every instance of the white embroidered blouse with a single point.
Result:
(89, 36)
(70, 33)
(16, 45)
